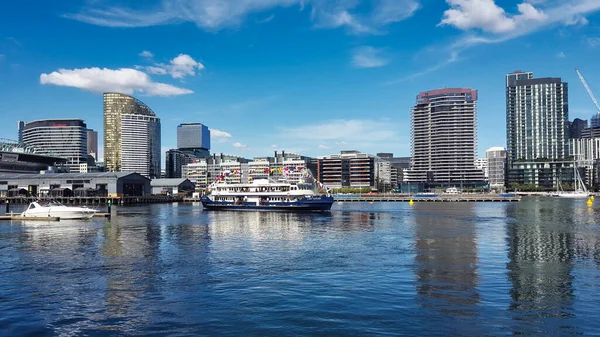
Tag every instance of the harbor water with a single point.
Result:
(530, 268)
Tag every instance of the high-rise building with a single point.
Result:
(115, 106)
(444, 139)
(537, 115)
(496, 163)
(20, 127)
(65, 138)
(140, 145)
(92, 143)
(537, 131)
(193, 136)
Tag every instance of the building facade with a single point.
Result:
(444, 139)
(289, 167)
(140, 145)
(193, 136)
(117, 184)
(92, 143)
(537, 117)
(351, 169)
(398, 166)
(496, 165)
(537, 129)
(65, 138)
(115, 106)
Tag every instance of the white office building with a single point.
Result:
(140, 145)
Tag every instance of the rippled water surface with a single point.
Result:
(486, 269)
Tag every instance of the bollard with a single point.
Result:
(109, 206)
(7, 206)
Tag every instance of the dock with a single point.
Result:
(407, 198)
(97, 200)
(449, 198)
(18, 216)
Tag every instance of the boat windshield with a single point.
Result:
(46, 203)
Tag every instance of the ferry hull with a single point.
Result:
(302, 205)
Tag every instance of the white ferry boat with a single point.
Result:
(267, 195)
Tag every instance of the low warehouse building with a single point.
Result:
(111, 184)
(172, 186)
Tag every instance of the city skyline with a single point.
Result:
(307, 77)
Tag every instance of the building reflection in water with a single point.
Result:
(446, 258)
(540, 249)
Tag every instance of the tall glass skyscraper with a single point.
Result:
(116, 106)
(537, 116)
(193, 136)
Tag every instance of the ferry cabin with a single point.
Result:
(260, 194)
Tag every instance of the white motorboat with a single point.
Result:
(44, 209)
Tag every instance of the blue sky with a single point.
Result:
(307, 76)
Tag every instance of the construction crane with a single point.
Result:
(589, 91)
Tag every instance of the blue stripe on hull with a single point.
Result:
(321, 204)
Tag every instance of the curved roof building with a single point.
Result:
(64, 138)
(116, 106)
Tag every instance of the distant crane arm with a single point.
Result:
(587, 88)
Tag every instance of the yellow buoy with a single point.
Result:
(371, 202)
(411, 202)
(592, 198)
(589, 202)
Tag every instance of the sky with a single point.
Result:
(306, 76)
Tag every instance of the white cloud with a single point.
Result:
(274, 146)
(218, 14)
(179, 67)
(356, 129)
(98, 80)
(487, 16)
(593, 41)
(146, 54)
(342, 142)
(368, 57)
(334, 14)
(241, 146)
(156, 70)
(219, 134)
(561, 55)
(323, 147)
(267, 19)
(499, 27)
